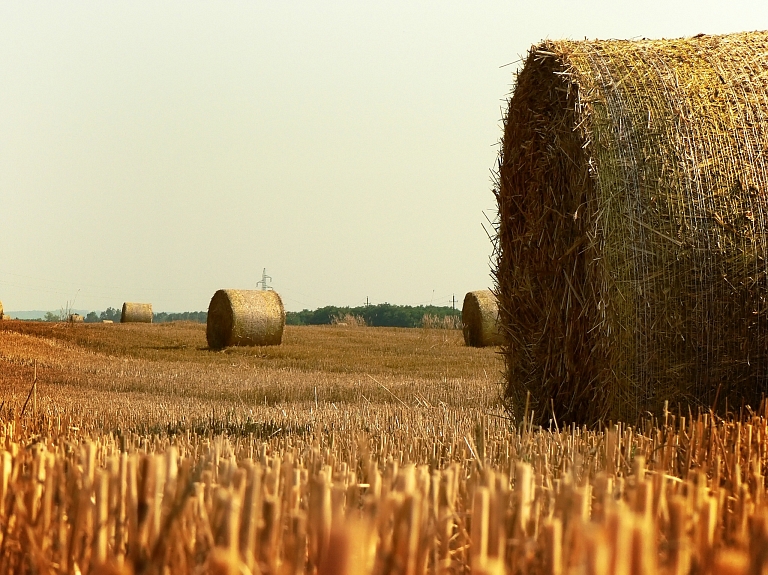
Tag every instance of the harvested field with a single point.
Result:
(345, 450)
(137, 376)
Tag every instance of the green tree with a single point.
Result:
(111, 314)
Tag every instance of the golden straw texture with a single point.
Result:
(136, 313)
(480, 314)
(632, 227)
(245, 317)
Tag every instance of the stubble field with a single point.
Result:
(147, 377)
(346, 451)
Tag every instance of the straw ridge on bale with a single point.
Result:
(136, 313)
(480, 314)
(632, 232)
(245, 317)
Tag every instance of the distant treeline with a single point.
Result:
(381, 315)
(163, 317)
(113, 314)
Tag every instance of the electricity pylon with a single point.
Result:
(263, 282)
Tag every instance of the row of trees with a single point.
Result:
(113, 314)
(381, 315)
(163, 317)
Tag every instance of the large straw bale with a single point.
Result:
(632, 227)
(480, 315)
(75, 318)
(245, 317)
(136, 313)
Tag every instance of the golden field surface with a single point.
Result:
(136, 376)
(351, 451)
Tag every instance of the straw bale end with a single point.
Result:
(480, 316)
(136, 313)
(245, 317)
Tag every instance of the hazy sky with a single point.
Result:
(158, 151)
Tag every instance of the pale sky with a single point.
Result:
(159, 151)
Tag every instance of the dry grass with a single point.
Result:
(429, 321)
(349, 320)
(165, 373)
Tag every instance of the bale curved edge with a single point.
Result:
(632, 253)
(136, 313)
(245, 317)
(479, 316)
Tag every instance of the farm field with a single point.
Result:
(143, 377)
(346, 450)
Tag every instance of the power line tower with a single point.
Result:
(263, 282)
(453, 300)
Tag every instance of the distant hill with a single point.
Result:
(38, 314)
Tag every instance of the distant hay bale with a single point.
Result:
(75, 318)
(245, 317)
(480, 315)
(633, 252)
(107, 321)
(136, 313)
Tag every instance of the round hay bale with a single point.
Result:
(75, 318)
(632, 252)
(136, 313)
(480, 315)
(245, 317)
(107, 321)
